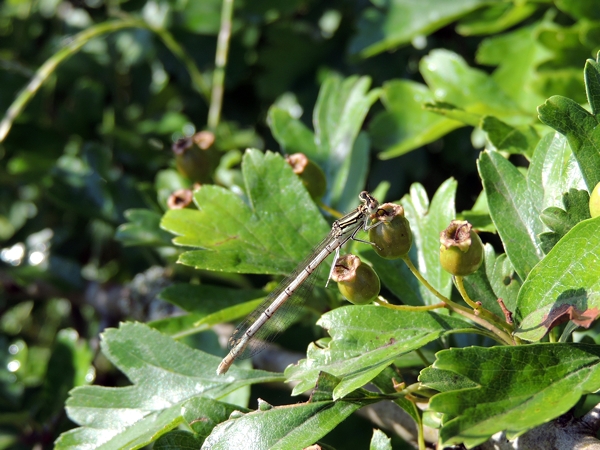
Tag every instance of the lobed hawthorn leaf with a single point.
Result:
(364, 341)
(511, 208)
(427, 220)
(511, 389)
(582, 131)
(168, 379)
(567, 275)
(380, 441)
(290, 426)
(560, 221)
(270, 234)
(552, 172)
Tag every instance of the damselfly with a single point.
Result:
(270, 317)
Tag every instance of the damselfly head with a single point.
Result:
(370, 202)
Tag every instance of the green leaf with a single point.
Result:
(453, 81)
(567, 275)
(143, 229)
(560, 221)
(427, 222)
(406, 125)
(365, 340)
(582, 131)
(512, 389)
(512, 211)
(521, 139)
(581, 9)
(380, 441)
(69, 365)
(177, 440)
(165, 374)
(517, 56)
(338, 117)
(591, 72)
(271, 233)
(495, 19)
(402, 20)
(552, 172)
(291, 134)
(453, 112)
(289, 426)
(209, 304)
(479, 215)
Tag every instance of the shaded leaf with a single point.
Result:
(289, 426)
(406, 125)
(143, 228)
(591, 72)
(495, 279)
(560, 221)
(511, 389)
(522, 139)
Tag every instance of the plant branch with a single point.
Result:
(216, 98)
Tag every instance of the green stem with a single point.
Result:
(480, 310)
(74, 44)
(504, 336)
(216, 98)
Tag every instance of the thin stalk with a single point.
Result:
(74, 44)
(504, 336)
(480, 310)
(216, 98)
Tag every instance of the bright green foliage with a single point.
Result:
(567, 275)
(268, 234)
(364, 341)
(504, 122)
(512, 389)
(131, 417)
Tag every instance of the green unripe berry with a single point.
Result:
(595, 202)
(461, 252)
(357, 282)
(392, 238)
(311, 174)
